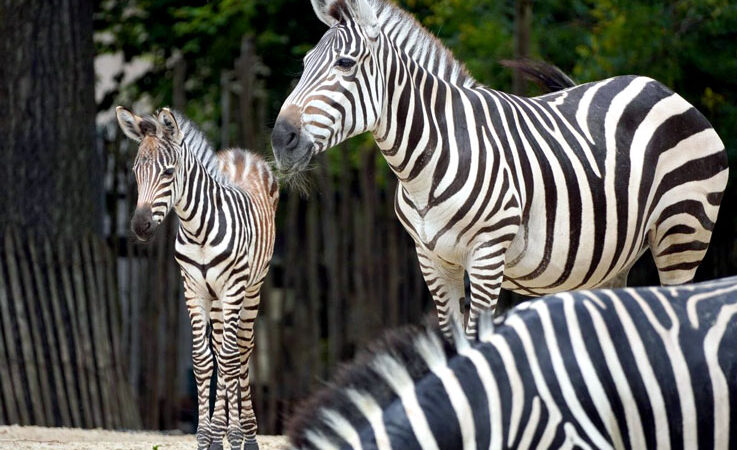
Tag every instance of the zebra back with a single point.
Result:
(631, 368)
(249, 172)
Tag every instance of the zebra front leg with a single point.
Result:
(229, 366)
(202, 365)
(245, 345)
(485, 273)
(445, 283)
(218, 421)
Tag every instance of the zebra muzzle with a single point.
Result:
(292, 148)
(142, 223)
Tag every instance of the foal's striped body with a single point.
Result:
(226, 204)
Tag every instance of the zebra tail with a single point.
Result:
(547, 76)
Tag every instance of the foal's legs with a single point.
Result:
(202, 363)
(245, 346)
(218, 421)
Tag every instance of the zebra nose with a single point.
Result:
(142, 223)
(285, 136)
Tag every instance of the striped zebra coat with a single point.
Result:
(630, 368)
(225, 203)
(536, 195)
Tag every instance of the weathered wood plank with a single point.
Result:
(26, 343)
(43, 286)
(67, 365)
(97, 342)
(107, 294)
(33, 299)
(7, 363)
(85, 335)
(66, 269)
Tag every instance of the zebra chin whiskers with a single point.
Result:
(299, 181)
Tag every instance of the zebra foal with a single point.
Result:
(225, 203)
(535, 195)
(629, 368)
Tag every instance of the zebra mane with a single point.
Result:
(197, 144)
(420, 44)
(413, 348)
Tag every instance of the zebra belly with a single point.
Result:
(534, 266)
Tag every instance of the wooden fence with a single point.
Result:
(60, 359)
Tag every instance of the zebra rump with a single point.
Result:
(629, 368)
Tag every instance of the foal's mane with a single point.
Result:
(196, 143)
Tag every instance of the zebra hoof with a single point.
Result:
(216, 446)
(250, 444)
(203, 440)
(235, 438)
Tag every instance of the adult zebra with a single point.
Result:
(226, 203)
(536, 195)
(630, 368)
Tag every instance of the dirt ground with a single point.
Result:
(22, 438)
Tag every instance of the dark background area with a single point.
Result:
(94, 331)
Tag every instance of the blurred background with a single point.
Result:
(93, 329)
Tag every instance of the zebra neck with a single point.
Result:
(419, 128)
(197, 201)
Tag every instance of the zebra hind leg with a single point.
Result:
(245, 345)
(678, 250)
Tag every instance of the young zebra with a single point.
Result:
(629, 368)
(536, 195)
(225, 202)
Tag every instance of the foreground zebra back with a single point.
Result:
(630, 368)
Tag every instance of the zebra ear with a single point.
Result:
(364, 14)
(171, 127)
(331, 12)
(326, 11)
(129, 123)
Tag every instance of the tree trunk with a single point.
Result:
(49, 169)
(522, 25)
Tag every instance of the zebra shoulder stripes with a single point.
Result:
(226, 203)
(536, 195)
(628, 368)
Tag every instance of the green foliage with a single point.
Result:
(208, 36)
(687, 44)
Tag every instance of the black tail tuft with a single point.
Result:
(545, 75)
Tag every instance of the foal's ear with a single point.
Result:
(129, 123)
(331, 12)
(169, 122)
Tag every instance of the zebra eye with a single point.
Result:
(345, 63)
(169, 172)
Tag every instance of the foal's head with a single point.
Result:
(158, 167)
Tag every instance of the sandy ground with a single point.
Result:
(21, 438)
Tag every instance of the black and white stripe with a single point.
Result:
(628, 368)
(225, 203)
(536, 195)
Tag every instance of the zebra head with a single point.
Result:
(157, 167)
(340, 94)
